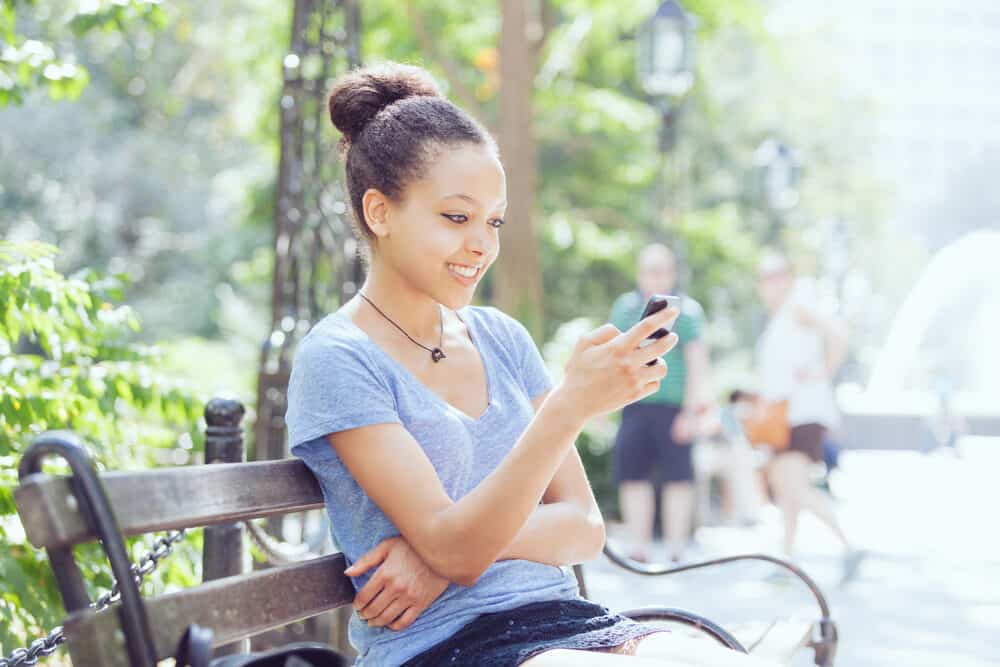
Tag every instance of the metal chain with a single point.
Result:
(277, 552)
(48, 645)
(162, 547)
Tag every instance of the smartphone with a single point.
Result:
(656, 303)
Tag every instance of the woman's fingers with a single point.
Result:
(599, 336)
(376, 606)
(632, 338)
(406, 620)
(655, 349)
(653, 374)
(656, 372)
(369, 560)
(368, 592)
(389, 614)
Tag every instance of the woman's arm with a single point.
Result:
(460, 539)
(457, 539)
(568, 527)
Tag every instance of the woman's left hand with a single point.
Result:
(401, 588)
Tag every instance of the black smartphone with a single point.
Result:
(656, 303)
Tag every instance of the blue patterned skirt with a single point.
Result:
(508, 638)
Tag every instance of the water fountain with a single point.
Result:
(943, 339)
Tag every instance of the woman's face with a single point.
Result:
(444, 232)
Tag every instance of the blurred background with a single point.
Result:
(173, 222)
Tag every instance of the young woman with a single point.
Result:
(797, 355)
(445, 455)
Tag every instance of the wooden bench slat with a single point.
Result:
(168, 498)
(234, 608)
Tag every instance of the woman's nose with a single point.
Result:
(479, 240)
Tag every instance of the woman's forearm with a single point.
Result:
(470, 534)
(560, 533)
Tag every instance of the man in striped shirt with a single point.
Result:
(654, 439)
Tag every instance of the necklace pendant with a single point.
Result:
(437, 355)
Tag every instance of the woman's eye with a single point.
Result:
(460, 218)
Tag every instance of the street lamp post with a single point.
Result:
(665, 65)
(665, 62)
(778, 168)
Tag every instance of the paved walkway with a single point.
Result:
(928, 595)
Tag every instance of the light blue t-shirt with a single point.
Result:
(342, 380)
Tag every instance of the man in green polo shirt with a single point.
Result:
(654, 439)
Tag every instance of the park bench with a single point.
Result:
(59, 512)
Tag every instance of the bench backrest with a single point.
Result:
(235, 607)
(168, 498)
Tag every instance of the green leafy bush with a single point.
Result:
(67, 361)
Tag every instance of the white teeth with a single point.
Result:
(465, 271)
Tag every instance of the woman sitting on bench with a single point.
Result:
(446, 458)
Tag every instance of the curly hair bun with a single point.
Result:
(359, 96)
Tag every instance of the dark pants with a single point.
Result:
(645, 448)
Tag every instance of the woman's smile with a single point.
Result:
(466, 274)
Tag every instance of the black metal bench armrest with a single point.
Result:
(682, 616)
(94, 504)
(825, 645)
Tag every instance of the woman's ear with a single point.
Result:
(375, 207)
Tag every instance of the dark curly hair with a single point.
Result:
(393, 119)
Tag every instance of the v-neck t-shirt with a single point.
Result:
(341, 380)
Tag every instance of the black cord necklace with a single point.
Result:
(436, 353)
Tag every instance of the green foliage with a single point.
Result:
(67, 362)
(36, 62)
(148, 173)
(117, 15)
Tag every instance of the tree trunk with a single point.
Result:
(518, 271)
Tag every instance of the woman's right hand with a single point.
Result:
(607, 369)
(401, 588)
